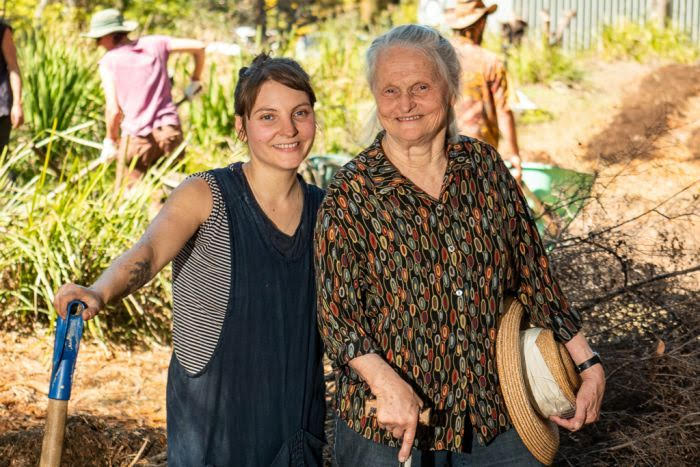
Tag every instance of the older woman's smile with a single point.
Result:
(409, 119)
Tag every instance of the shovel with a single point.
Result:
(65, 353)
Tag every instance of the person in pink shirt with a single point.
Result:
(138, 103)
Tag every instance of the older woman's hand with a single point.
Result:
(590, 395)
(588, 400)
(398, 406)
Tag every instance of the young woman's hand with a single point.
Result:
(69, 292)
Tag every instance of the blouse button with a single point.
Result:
(459, 292)
(451, 248)
(439, 208)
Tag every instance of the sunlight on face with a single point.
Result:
(281, 128)
(411, 97)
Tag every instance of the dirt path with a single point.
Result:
(638, 127)
(117, 402)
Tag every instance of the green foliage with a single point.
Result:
(61, 84)
(68, 229)
(404, 12)
(534, 116)
(336, 65)
(212, 114)
(61, 89)
(537, 62)
(645, 42)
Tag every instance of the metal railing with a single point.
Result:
(592, 15)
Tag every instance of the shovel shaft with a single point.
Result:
(52, 446)
(65, 352)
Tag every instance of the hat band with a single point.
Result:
(545, 395)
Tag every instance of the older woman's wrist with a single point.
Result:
(578, 348)
(372, 368)
(594, 372)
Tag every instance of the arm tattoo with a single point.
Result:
(140, 274)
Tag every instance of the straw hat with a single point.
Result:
(467, 12)
(537, 378)
(107, 22)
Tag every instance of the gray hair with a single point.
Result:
(436, 48)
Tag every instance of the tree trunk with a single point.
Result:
(261, 18)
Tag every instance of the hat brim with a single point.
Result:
(127, 26)
(466, 21)
(540, 436)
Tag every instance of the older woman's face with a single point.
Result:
(411, 98)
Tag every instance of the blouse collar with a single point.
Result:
(385, 175)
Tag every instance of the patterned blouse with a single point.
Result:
(421, 282)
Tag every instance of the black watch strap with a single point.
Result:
(595, 359)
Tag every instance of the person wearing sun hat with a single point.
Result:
(137, 89)
(483, 111)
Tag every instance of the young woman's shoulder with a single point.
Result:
(198, 193)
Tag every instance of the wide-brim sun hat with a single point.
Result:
(467, 12)
(107, 22)
(537, 378)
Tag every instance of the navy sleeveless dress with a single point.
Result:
(260, 399)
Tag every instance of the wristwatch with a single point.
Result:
(595, 359)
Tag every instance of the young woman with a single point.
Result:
(245, 383)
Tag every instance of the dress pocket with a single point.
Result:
(301, 450)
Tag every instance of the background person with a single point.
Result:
(419, 241)
(11, 114)
(245, 382)
(483, 112)
(137, 91)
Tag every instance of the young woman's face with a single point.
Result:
(281, 128)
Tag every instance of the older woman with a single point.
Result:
(418, 242)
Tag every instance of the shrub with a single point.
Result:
(537, 62)
(644, 42)
(68, 230)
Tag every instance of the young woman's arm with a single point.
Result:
(186, 209)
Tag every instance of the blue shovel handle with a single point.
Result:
(65, 350)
